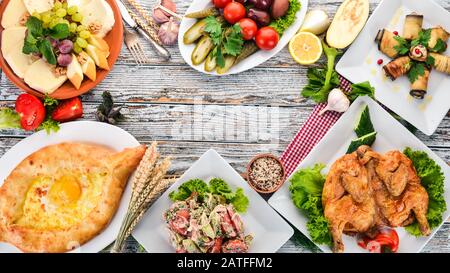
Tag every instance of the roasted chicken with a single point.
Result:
(365, 190)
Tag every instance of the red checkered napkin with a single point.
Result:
(312, 131)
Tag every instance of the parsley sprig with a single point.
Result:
(403, 45)
(423, 39)
(227, 40)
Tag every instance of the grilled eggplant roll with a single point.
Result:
(386, 43)
(437, 33)
(441, 62)
(419, 86)
(413, 25)
(397, 67)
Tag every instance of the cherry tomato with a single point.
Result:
(31, 111)
(267, 38)
(248, 28)
(234, 12)
(217, 247)
(385, 238)
(68, 110)
(220, 4)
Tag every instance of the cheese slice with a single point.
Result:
(75, 73)
(98, 56)
(41, 77)
(38, 5)
(88, 67)
(77, 3)
(12, 37)
(98, 12)
(13, 55)
(13, 13)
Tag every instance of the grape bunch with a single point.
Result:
(61, 13)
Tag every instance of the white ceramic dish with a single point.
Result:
(250, 62)
(359, 64)
(390, 135)
(269, 230)
(78, 131)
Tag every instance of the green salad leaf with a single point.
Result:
(432, 178)
(361, 89)
(226, 40)
(240, 201)
(423, 39)
(216, 186)
(34, 26)
(364, 125)
(322, 80)
(60, 32)
(9, 119)
(187, 188)
(306, 192)
(417, 69)
(440, 46)
(368, 140)
(284, 22)
(403, 45)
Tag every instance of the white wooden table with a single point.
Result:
(239, 115)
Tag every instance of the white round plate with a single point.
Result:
(78, 131)
(253, 60)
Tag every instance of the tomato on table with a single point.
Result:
(220, 4)
(31, 111)
(234, 12)
(248, 28)
(267, 38)
(68, 110)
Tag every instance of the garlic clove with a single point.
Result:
(316, 21)
(159, 16)
(337, 101)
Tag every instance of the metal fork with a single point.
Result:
(133, 44)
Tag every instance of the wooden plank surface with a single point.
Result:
(242, 115)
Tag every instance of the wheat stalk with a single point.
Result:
(148, 184)
(144, 14)
(152, 31)
(159, 189)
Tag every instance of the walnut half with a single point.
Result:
(60, 71)
(95, 27)
(23, 20)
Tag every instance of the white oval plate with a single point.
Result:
(255, 59)
(78, 131)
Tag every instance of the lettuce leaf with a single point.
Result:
(187, 188)
(432, 178)
(306, 192)
(240, 201)
(9, 119)
(216, 186)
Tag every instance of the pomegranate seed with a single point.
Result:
(395, 32)
(417, 51)
(380, 61)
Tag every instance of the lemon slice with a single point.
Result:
(305, 48)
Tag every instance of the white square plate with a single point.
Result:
(391, 135)
(359, 64)
(269, 230)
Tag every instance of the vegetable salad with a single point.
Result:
(204, 218)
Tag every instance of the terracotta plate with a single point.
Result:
(67, 90)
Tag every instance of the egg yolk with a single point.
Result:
(65, 191)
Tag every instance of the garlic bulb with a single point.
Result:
(316, 21)
(337, 101)
(159, 16)
(168, 32)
